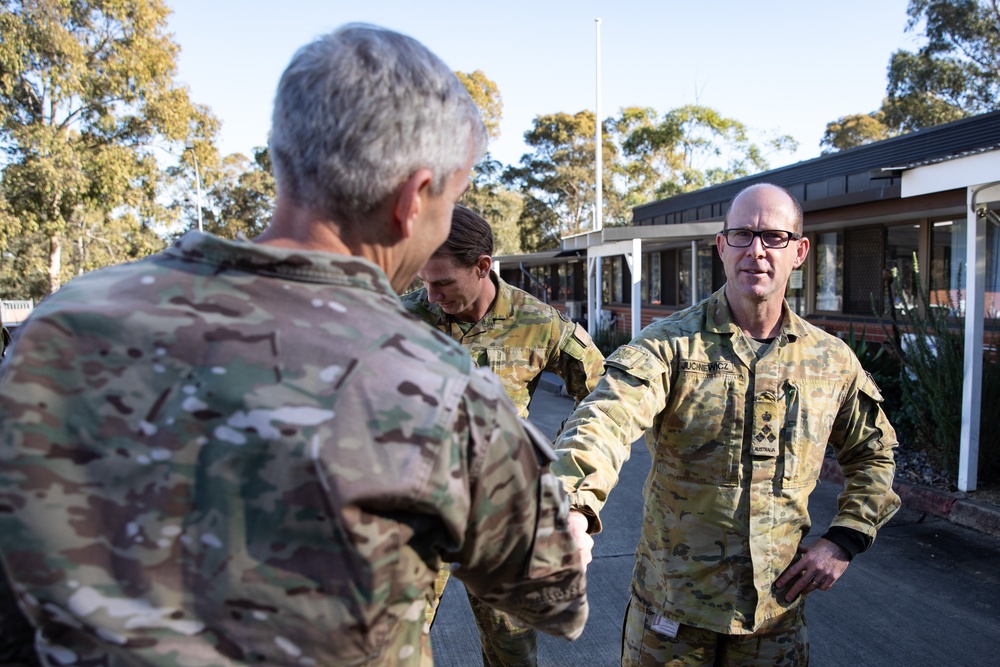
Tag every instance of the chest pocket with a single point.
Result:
(701, 432)
(812, 407)
(518, 369)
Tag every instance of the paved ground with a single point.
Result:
(927, 593)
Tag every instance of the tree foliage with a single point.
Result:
(644, 157)
(243, 197)
(692, 147)
(487, 194)
(955, 74)
(86, 94)
(855, 130)
(557, 178)
(501, 206)
(486, 95)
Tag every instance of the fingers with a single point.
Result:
(807, 578)
(578, 524)
(804, 584)
(821, 565)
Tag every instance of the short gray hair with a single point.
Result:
(360, 110)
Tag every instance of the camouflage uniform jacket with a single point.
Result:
(232, 454)
(737, 444)
(519, 338)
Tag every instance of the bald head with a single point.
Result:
(773, 196)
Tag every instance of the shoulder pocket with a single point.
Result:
(870, 389)
(576, 343)
(637, 362)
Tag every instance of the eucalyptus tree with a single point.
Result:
(89, 110)
(956, 73)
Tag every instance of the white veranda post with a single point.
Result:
(979, 199)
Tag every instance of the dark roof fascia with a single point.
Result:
(528, 259)
(853, 198)
(576, 252)
(960, 136)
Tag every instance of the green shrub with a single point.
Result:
(928, 343)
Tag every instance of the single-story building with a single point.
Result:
(932, 194)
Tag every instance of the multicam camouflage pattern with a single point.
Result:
(782, 642)
(737, 444)
(519, 338)
(232, 454)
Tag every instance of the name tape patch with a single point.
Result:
(707, 366)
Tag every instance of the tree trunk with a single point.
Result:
(55, 262)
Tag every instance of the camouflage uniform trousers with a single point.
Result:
(504, 643)
(782, 642)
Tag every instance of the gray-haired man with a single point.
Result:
(234, 453)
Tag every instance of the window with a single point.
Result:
(607, 279)
(684, 278)
(537, 285)
(616, 279)
(992, 287)
(795, 291)
(947, 263)
(829, 272)
(651, 278)
(668, 274)
(901, 246)
(611, 279)
(948, 266)
(864, 258)
(565, 282)
(705, 271)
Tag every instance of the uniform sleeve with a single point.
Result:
(577, 361)
(599, 434)
(518, 554)
(863, 441)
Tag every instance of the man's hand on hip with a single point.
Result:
(820, 566)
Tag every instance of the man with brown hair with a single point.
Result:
(517, 337)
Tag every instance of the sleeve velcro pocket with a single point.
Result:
(637, 362)
(870, 389)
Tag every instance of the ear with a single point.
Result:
(484, 264)
(410, 204)
(801, 251)
(720, 243)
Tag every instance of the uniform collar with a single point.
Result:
(719, 318)
(503, 303)
(291, 264)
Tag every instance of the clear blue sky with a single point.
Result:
(779, 66)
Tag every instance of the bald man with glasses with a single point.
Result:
(738, 398)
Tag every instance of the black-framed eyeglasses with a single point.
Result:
(771, 238)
